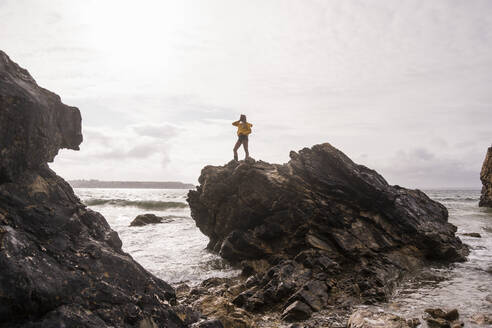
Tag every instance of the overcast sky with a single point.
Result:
(404, 87)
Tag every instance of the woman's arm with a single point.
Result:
(236, 123)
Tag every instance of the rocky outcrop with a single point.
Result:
(318, 230)
(149, 218)
(486, 177)
(61, 265)
(34, 124)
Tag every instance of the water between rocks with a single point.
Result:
(175, 251)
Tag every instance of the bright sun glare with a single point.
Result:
(124, 30)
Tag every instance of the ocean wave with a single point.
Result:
(143, 204)
(458, 199)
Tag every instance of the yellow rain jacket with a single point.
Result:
(243, 128)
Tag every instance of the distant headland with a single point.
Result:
(130, 184)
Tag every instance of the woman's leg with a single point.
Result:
(245, 145)
(236, 147)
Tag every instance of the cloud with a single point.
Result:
(160, 131)
(143, 151)
(419, 167)
(140, 152)
(112, 150)
(96, 136)
(421, 154)
(403, 86)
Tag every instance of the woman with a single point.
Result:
(243, 130)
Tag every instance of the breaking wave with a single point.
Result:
(457, 199)
(143, 204)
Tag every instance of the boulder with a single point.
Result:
(319, 228)
(145, 219)
(439, 318)
(187, 314)
(296, 311)
(486, 178)
(61, 265)
(219, 308)
(450, 315)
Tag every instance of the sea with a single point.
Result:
(176, 251)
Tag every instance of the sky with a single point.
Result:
(403, 87)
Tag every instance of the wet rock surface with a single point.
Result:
(297, 311)
(433, 317)
(472, 234)
(370, 319)
(482, 319)
(486, 178)
(214, 298)
(208, 324)
(145, 219)
(439, 318)
(319, 230)
(61, 265)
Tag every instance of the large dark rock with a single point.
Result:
(61, 265)
(486, 177)
(149, 218)
(296, 311)
(34, 124)
(319, 228)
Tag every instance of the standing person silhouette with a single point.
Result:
(243, 130)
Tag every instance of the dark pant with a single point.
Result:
(242, 138)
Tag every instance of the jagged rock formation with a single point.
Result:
(486, 177)
(318, 230)
(61, 265)
(34, 124)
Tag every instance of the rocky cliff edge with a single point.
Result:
(61, 265)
